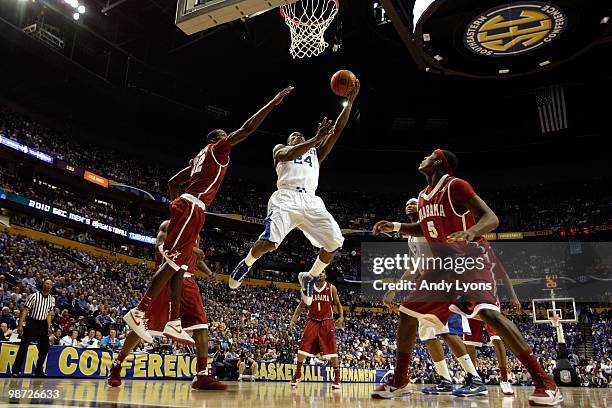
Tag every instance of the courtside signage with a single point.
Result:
(13, 144)
(94, 178)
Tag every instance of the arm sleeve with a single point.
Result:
(29, 301)
(461, 192)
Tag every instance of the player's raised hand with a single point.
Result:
(382, 226)
(281, 95)
(460, 236)
(354, 90)
(325, 128)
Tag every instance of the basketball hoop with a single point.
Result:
(307, 21)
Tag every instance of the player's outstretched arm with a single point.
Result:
(256, 120)
(412, 229)
(296, 315)
(326, 147)
(487, 221)
(175, 182)
(288, 153)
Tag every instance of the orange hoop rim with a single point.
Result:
(299, 23)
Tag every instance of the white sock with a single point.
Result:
(250, 259)
(468, 366)
(442, 369)
(317, 267)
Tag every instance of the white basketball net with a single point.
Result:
(307, 20)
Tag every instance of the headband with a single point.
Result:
(442, 157)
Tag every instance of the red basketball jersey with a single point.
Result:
(208, 170)
(442, 208)
(322, 301)
(159, 259)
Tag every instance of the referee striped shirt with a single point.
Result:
(39, 305)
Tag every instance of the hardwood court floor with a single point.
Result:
(94, 393)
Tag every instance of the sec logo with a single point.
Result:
(515, 29)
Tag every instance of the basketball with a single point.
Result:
(342, 82)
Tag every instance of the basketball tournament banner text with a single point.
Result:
(284, 372)
(59, 212)
(94, 363)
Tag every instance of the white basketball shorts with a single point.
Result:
(289, 209)
(457, 324)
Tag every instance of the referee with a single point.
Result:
(37, 311)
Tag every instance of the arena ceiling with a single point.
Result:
(181, 85)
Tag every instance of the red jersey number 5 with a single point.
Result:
(433, 232)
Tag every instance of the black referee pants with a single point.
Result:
(35, 330)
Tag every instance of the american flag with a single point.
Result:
(550, 102)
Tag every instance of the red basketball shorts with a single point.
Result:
(186, 221)
(193, 316)
(438, 292)
(477, 328)
(319, 338)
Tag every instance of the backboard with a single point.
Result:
(193, 16)
(564, 308)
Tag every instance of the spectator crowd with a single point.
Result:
(520, 208)
(251, 323)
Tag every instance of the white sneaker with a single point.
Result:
(388, 391)
(174, 331)
(506, 388)
(136, 321)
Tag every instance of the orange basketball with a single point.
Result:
(342, 82)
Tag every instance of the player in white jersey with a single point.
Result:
(295, 205)
(430, 334)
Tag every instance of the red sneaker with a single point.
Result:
(391, 390)
(336, 385)
(546, 392)
(114, 377)
(295, 380)
(205, 382)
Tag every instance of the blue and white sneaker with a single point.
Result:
(473, 387)
(240, 271)
(444, 387)
(307, 282)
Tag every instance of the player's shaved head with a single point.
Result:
(295, 138)
(215, 135)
